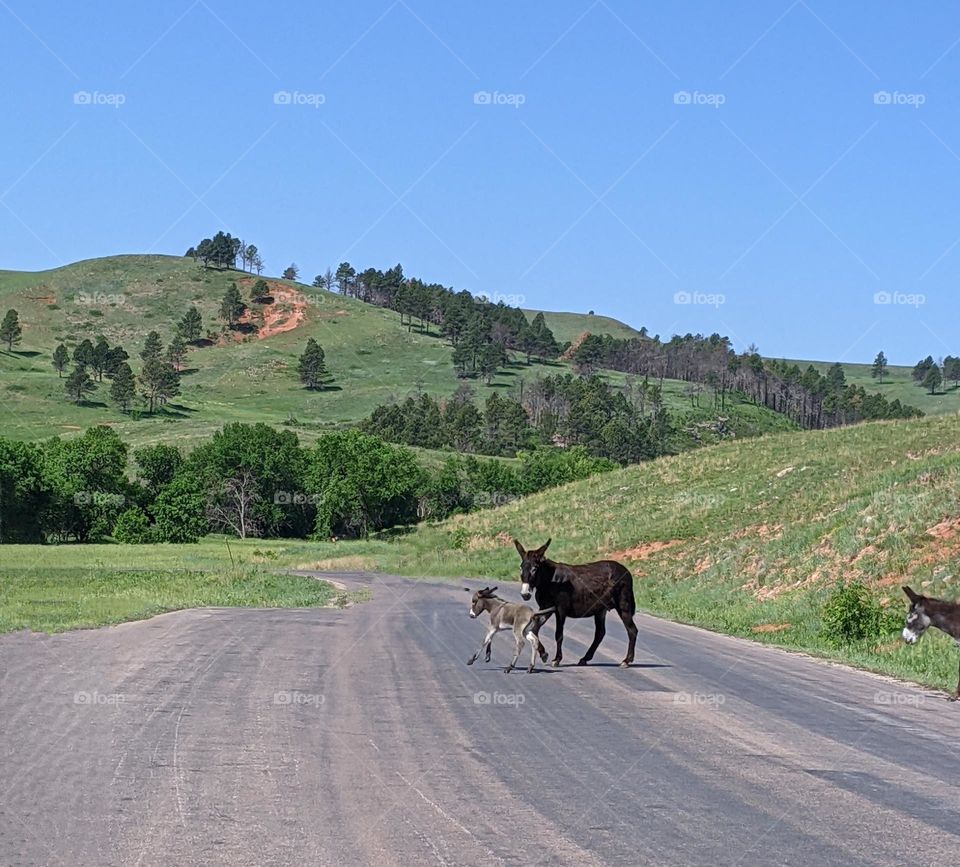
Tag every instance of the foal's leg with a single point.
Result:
(559, 637)
(516, 655)
(626, 616)
(534, 641)
(600, 629)
(485, 643)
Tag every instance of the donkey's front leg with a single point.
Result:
(485, 643)
(559, 637)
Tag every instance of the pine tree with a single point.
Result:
(79, 384)
(158, 382)
(312, 367)
(10, 329)
(232, 306)
(83, 354)
(176, 352)
(932, 379)
(115, 357)
(60, 359)
(100, 357)
(124, 386)
(152, 347)
(879, 367)
(190, 326)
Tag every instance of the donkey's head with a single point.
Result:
(530, 562)
(918, 621)
(480, 600)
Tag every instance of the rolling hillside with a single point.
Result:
(249, 377)
(898, 384)
(745, 537)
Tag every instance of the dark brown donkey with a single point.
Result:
(587, 590)
(926, 612)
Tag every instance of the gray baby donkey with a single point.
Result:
(522, 619)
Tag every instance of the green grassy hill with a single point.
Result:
(246, 378)
(897, 384)
(745, 537)
(569, 326)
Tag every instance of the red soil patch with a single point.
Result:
(575, 345)
(641, 552)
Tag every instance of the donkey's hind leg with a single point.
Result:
(626, 615)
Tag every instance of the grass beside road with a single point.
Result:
(52, 589)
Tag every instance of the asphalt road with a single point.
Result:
(361, 737)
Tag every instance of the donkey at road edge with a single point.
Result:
(586, 590)
(925, 611)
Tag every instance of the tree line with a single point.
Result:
(481, 333)
(561, 411)
(809, 398)
(251, 481)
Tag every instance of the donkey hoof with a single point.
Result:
(583, 661)
(508, 669)
(472, 660)
(625, 663)
(556, 663)
(543, 657)
(530, 670)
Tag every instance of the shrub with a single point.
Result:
(851, 613)
(132, 528)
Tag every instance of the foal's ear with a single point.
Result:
(913, 597)
(520, 549)
(543, 548)
(468, 590)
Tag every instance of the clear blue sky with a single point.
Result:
(782, 188)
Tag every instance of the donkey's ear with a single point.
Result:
(913, 597)
(493, 590)
(468, 590)
(520, 550)
(543, 548)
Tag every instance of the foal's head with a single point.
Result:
(918, 621)
(480, 600)
(530, 563)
